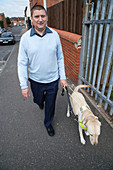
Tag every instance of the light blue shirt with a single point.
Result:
(42, 55)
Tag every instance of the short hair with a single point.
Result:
(37, 7)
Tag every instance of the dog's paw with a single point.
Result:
(83, 141)
(87, 134)
(68, 114)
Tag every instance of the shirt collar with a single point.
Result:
(33, 32)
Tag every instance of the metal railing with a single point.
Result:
(96, 59)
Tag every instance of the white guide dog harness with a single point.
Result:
(81, 122)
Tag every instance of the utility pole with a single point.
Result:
(45, 5)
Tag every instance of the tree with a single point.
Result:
(8, 21)
(1, 24)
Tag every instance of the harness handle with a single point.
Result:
(62, 93)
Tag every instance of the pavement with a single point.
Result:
(24, 142)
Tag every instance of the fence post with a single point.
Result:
(99, 44)
(84, 38)
(104, 48)
(89, 43)
(107, 68)
(94, 42)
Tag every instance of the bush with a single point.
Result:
(8, 21)
(1, 24)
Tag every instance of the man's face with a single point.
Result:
(39, 19)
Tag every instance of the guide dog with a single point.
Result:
(86, 119)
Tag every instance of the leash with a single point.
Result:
(70, 106)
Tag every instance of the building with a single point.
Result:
(15, 21)
(2, 17)
(27, 17)
(40, 2)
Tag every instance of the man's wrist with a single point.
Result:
(24, 87)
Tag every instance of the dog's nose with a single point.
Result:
(95, 144)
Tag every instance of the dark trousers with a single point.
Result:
(45, 92)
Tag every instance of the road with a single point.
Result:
(6, 49)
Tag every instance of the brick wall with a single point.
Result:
(52, 2)
(71, 50)
(33, 2)
(40, 2)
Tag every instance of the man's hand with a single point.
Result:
(64, 83)
(26, 93)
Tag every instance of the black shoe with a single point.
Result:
(50, 130)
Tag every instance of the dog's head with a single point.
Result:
(93, 128)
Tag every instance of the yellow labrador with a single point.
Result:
(87, 120)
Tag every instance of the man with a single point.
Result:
(40, 50)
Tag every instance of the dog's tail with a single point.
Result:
(80, 86)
